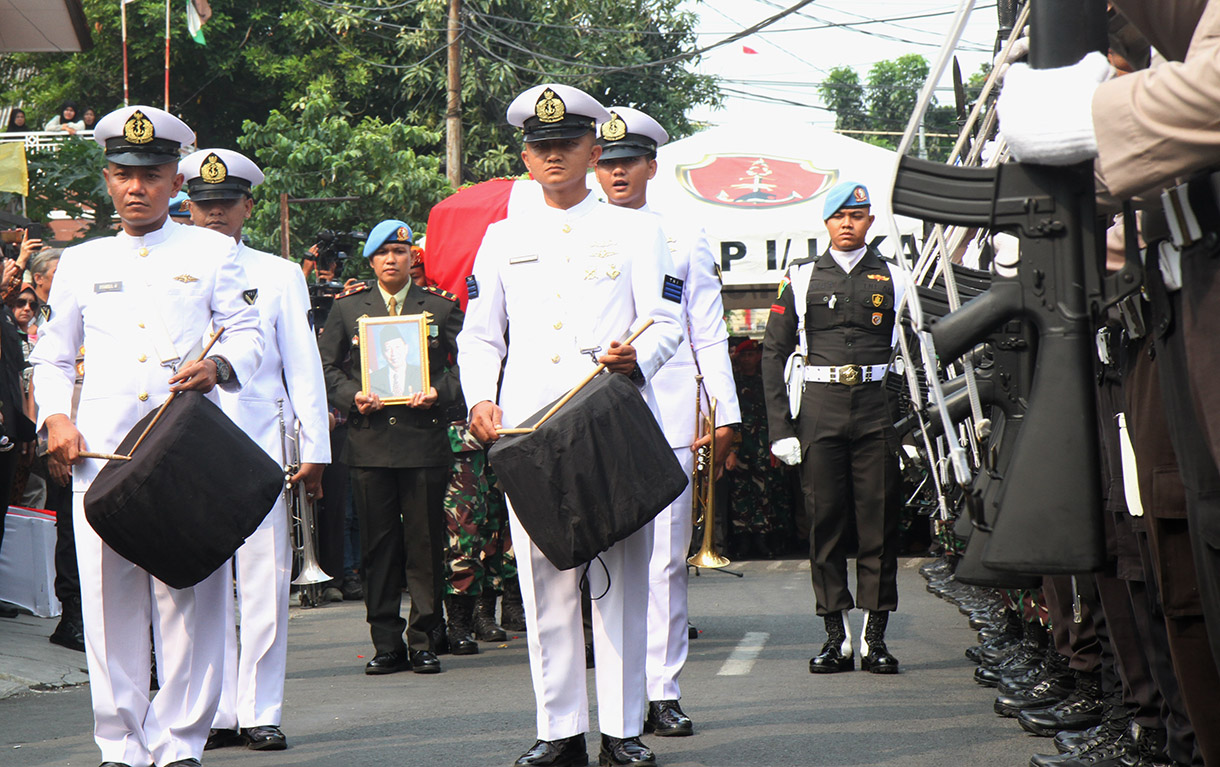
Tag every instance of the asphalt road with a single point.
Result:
(746, 685)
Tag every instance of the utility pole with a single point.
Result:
(453, 111)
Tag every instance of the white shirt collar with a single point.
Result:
(152, 239)
(847, 260)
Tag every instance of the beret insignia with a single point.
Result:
(549, 107)
(138, 129)
(403, 234)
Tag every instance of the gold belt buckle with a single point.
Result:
(849, 374)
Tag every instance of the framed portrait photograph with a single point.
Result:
(394, 357)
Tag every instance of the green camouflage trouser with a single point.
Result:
(479, 552)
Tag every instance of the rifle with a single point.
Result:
(1048, 518)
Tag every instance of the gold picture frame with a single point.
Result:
(376, 369)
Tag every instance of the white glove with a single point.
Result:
(787, 450)
(1046, 115)
(1020, 49)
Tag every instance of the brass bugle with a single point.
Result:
(703, 481)
(302, 512)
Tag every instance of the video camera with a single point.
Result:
(331, 249)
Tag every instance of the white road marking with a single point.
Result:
(741, 660)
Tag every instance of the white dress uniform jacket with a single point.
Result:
(565, 281)
(706, 338)
(107, 295)
(253, 690)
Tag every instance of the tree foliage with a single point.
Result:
(885, 103)
(319, 149)
(68, 179)
(383, 58)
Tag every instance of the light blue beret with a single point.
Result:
(845, 194)
(390, 230)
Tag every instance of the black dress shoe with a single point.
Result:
(184, 763)
(265, 738)
(666, 719)
(223, 738)
(616, 751)
(114, 764)
(424, 662)
(389, 662)
(351, 589)
(68, 634)
(1048, 692)
(568, 752)
(8, 611)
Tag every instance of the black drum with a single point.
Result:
(190, 496)
(594, 473)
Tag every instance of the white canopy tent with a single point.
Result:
(758, 190)
(43, 25)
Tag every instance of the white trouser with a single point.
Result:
(668, 641)
(557, 643)
(119, 601)
(253, 690)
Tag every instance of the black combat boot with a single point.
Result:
(836, 654)
(1079, 711)
(512, 611)
(485, 628)
(1053, 682)
(874, 656)
(459, 609)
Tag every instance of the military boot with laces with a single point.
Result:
(1054, 685)
(836, 654)
(1080, 710)
(874, 657)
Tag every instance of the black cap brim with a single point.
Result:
(535, 130)
(200, 190)
(140, 158)
(618, 150)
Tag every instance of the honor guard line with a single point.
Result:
(157, 417)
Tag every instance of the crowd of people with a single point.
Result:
(70, 119)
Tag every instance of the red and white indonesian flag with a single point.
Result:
(758, 192)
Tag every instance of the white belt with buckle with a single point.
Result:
(849, 375)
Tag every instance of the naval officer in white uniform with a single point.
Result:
(629, 141)
(287, 384)
(140, 303)
(569, 276)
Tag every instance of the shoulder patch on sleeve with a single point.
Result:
(359, 287)
(785, 282)
(472, 287)
(434, 290)
(777, 308)
(672, 289)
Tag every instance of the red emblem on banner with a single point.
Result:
(751, 181)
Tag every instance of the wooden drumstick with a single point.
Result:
(104, 456)
(170, 399)
(596, 371)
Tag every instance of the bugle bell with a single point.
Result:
(302, 513)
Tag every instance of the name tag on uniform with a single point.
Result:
(108, 287)
(522, 259)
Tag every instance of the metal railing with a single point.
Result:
(42, 141)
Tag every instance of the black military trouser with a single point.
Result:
(849, 473)
(402, 534)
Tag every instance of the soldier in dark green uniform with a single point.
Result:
(399, 454)
(828, 343)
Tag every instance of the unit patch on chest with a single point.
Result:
(250, 295)
(672, 289)
(877, 317)
(878, 299)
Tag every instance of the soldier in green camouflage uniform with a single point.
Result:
(478, 557)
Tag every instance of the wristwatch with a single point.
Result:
(224, 371)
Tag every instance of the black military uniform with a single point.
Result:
(849, 467)
(400, 459)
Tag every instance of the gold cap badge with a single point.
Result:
(404, 234)
(213, 170)
(550, 108)
(614, 129)
(138, 129)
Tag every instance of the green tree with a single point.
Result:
(383, 58)
(68, 179)
(893, 89)
(319, 149)
(843, 94)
